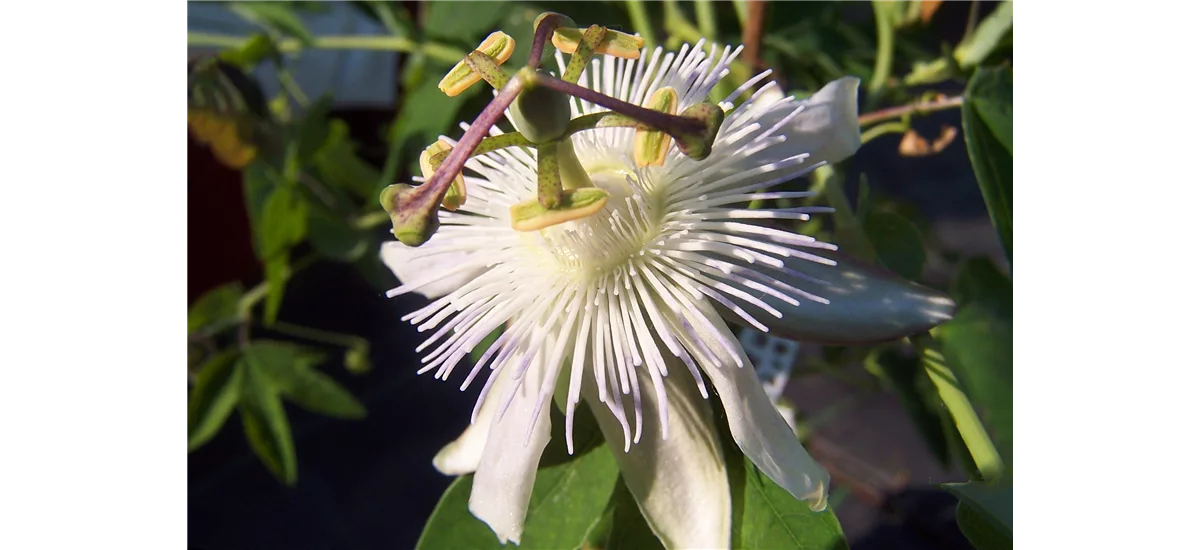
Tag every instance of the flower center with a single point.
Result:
(596, 246)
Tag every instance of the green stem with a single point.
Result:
(260, 291)
(372, 219)
(641, 22)
(434, 50)
(489, 144)
(898, 127)
(583, 53)
(604, 120)
(883, 56)
(706, 17)
(487, 69)
(980, 445)
(317, 335)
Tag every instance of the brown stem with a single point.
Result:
(674, 125)
(752, 33)
(918, 108)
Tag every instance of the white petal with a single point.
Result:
(462, 455)
(502, 485)
(756, 425)
(866, 304)
(679, 483)
(827, 129)
(410, 264)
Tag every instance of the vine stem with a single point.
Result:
(288, 45)
(912, 108)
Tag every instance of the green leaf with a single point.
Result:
(981, 283)
(764, 514)
(986, 37)
(338, 165)
(251, 53)
(629, 529)
(217, 308)
(464, 21)
(977, 347)
(278, 271)
(290, 369)
(266, 424)
(213, 397)
(993, 93)
(273, 16)
(850, 235)
(569, 496)
(897, 242)
(769, 517)
(393, 17)
(984, 513)
(987, 128)
(334, 237)
(772, 518)
(258, 184)
(982, 533)
(312, 131)
(284, 221)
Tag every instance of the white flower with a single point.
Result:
(623, 309)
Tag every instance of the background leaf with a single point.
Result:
(984, 513)
(258, 183)
(977, 347)
(265, 422)
(569, 496)
(897, 243)
(213, 397)
(334, 238)
(989, 34)
(284, 221)
(274, 16)
(629, 529)
(338, 165)
(290, 369)
(464, 21)
(251, 53)
(217, 308)
(987, 128)
(312, 131)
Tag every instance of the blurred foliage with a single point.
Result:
(311, 196)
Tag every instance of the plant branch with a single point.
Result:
(912, 108)
(752, 31)
(434, 50)
(883, 56)
(897, 127)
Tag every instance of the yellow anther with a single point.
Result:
(498, 46)
(650, 146)
(457, 194)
